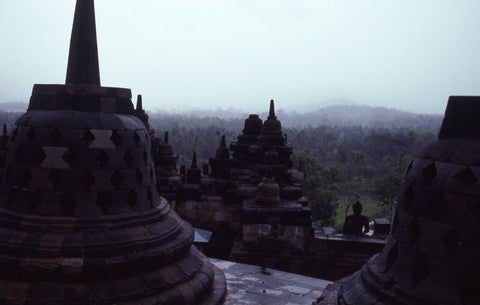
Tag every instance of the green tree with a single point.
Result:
(321, 188)
(387, 186)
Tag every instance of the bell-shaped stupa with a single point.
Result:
(81, 221)
(432, 256)
(221, 163)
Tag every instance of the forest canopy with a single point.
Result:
(352, 153)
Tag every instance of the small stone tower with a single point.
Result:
(168, 178)
(221, 162)
(81, 221)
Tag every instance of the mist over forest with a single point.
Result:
(351, 152)
(339, 115)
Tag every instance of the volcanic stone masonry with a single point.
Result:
(81, 221)
(432, 257)
(253, 202)
(221, 200)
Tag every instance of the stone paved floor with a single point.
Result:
(248, 285)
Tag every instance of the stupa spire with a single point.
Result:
(139, 103)
(83, 65)
(222, 143)
(165, 138)
(271, 115)
(194, 161)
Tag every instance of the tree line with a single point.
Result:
(344, 163)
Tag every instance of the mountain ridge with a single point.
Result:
(334, 115)
(337, 115)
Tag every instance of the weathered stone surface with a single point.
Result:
(432, 255)
(251, 285)
(81, 221)
(256, 188)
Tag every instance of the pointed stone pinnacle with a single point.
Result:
(4, 129)
(194, 161)
(222, 144)
(165, 139)
(139, 103)
(271, 114)
(83, 57)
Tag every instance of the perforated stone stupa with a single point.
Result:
(432, 256)
(81, 221)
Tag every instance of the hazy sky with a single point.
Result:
(183, 54)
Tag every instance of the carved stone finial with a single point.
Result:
(139, 103)
(165, 138)
(83, 65)
(194, 161)
(271, 114)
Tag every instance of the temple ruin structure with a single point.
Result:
(252, 199)
(432, 255)
(81, 221)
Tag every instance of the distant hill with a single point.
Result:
(346, 115)
(366, 116)
(13, 107)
